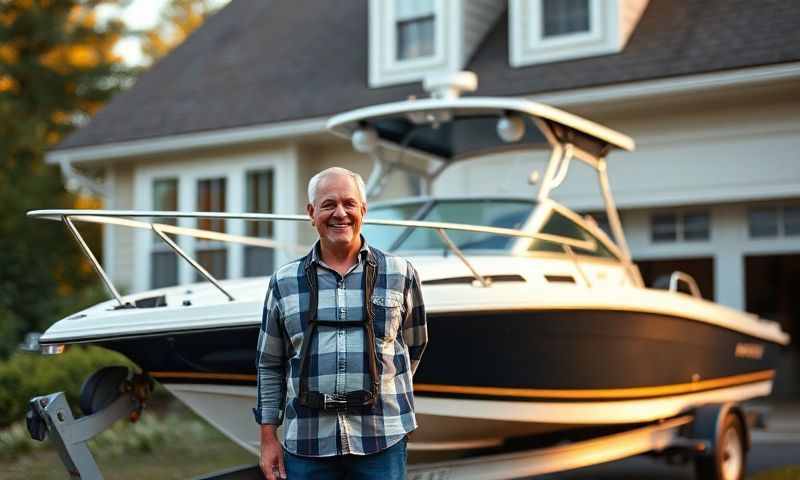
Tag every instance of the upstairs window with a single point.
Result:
(543, 31)
(411, 39)
(163, 260)
(415, 26)
(562, 17)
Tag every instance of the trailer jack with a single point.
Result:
(108, 395)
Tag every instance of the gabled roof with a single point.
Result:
(268, 61)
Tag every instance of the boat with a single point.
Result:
(539, 320)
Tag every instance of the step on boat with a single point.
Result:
(539, 321)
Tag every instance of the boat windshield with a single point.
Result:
(485, 212)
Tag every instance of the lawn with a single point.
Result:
(174, 445)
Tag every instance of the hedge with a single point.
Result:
(25, 375)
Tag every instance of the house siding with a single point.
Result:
(119, 259)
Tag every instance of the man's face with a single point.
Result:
(337, 211)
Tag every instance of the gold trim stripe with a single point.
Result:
(636, 392)
(204, 376)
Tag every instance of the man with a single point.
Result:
(343, 331)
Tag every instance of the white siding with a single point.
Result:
(479, 17)
(118, 253)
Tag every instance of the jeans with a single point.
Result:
(389, 464)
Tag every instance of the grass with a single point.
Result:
(784, 473)
(171, 445)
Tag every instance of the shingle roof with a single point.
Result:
(266, 61)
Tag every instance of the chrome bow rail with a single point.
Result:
(125, 218)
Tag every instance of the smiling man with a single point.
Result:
(342, 332)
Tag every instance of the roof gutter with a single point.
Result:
(183, 142)
(671, 86)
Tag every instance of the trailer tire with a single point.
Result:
(728, 460)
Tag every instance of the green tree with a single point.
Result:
(57, 67)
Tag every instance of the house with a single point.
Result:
(234, 118)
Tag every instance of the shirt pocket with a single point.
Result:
(388, 314)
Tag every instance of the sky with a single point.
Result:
(137, 15)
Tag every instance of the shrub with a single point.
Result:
(26, 375)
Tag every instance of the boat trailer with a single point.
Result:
(715, 437)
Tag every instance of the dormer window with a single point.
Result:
(564, 17)
(543, 31)
(415, 27)
(411, 39)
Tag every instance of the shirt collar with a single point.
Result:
(316, 255)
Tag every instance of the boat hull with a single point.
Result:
(487, 376)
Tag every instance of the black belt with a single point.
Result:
(338, 402)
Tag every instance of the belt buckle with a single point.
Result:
(334, 401)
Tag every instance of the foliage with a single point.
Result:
(178, 20)
(57, 67)
(26, 375)
(150, 433)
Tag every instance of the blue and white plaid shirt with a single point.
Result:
(336, 357)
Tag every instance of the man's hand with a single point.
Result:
(271, 462)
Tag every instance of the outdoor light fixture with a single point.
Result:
(364, 139)
(510, 128)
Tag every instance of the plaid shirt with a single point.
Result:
(337, 362)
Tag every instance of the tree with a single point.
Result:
(179, 19)
(57, 67)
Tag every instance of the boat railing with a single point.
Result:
(125, 218)
(677, 277)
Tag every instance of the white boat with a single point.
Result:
(539, 321)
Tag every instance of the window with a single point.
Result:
(411, 39)
(763, 222)
(664, 227)
(494, 213)
(543, 31)
(774, 221)
(211, 255)
(791, 220)
(562, 226)
(414, 20)
(562, 17)
(601, 219)
(259, 198)
(163, 261)
(681, 226)
(696, 226)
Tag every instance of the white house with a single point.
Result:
(234, 118)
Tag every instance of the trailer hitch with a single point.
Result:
(107, 395)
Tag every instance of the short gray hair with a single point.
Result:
(314, 182)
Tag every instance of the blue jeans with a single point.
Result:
(389, 464)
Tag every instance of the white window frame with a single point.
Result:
(384, 67)
(530, 47)
(680, 226)
(282, 162)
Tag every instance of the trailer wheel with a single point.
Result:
(728, 461)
